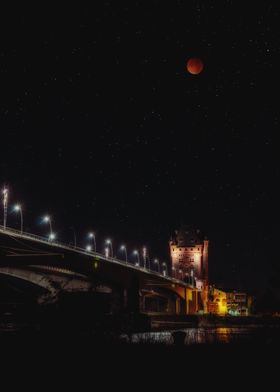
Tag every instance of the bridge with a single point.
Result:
(52, 269)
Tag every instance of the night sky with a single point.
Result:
(103, 128)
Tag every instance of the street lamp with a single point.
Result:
(5, 206)
(123, 248)
(106, 252)
(135, 252)
(18, 208)
(92, 237)
(51, 236)
(47, 219)
(180, 272)
(88, 248)
(109, 242)
(145, 255)
(164, 270)
(157, 262)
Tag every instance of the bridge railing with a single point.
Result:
(49, 242)
(77, 249)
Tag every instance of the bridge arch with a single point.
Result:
(54, 281)
(50, 291)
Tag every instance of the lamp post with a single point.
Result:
(180, 272)
(107, 252)
(47, 219)
(135, 252)
(109, 242)
(18, 208)
(148, 258)
(145, 256)
(164, 268)
(157, 262)
(92, 237)
(123, 248)
(74, 235)
(5, 206)
(52, 237)
(88, 248)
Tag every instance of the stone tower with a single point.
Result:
(189, 258)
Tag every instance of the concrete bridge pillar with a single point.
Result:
(171, 306)
(191, 300)
(125, 300)
(133, 298)
(142, 303)
(178, 306)
(186, 301)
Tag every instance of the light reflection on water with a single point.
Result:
(260, 333)
(196, 336)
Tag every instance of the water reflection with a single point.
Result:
(196, 336)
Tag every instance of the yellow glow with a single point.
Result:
(220, 299)
(222, 309)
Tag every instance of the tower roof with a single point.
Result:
(188, 235)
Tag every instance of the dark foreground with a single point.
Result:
(138, 342)
(81, 361)
(130, 366)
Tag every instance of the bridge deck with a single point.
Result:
(13, 233)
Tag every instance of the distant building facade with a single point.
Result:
(239, 304)
(189, 259)
(217, 301)
(232, 303)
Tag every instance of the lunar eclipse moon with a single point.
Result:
(195, 66)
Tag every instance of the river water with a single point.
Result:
(210, 335)
(261, 332)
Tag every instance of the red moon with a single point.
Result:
(195, 66)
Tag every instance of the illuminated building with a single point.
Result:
(239, 304)
(189, 258)
(189, 262)
(231, 303)
(217, 301)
